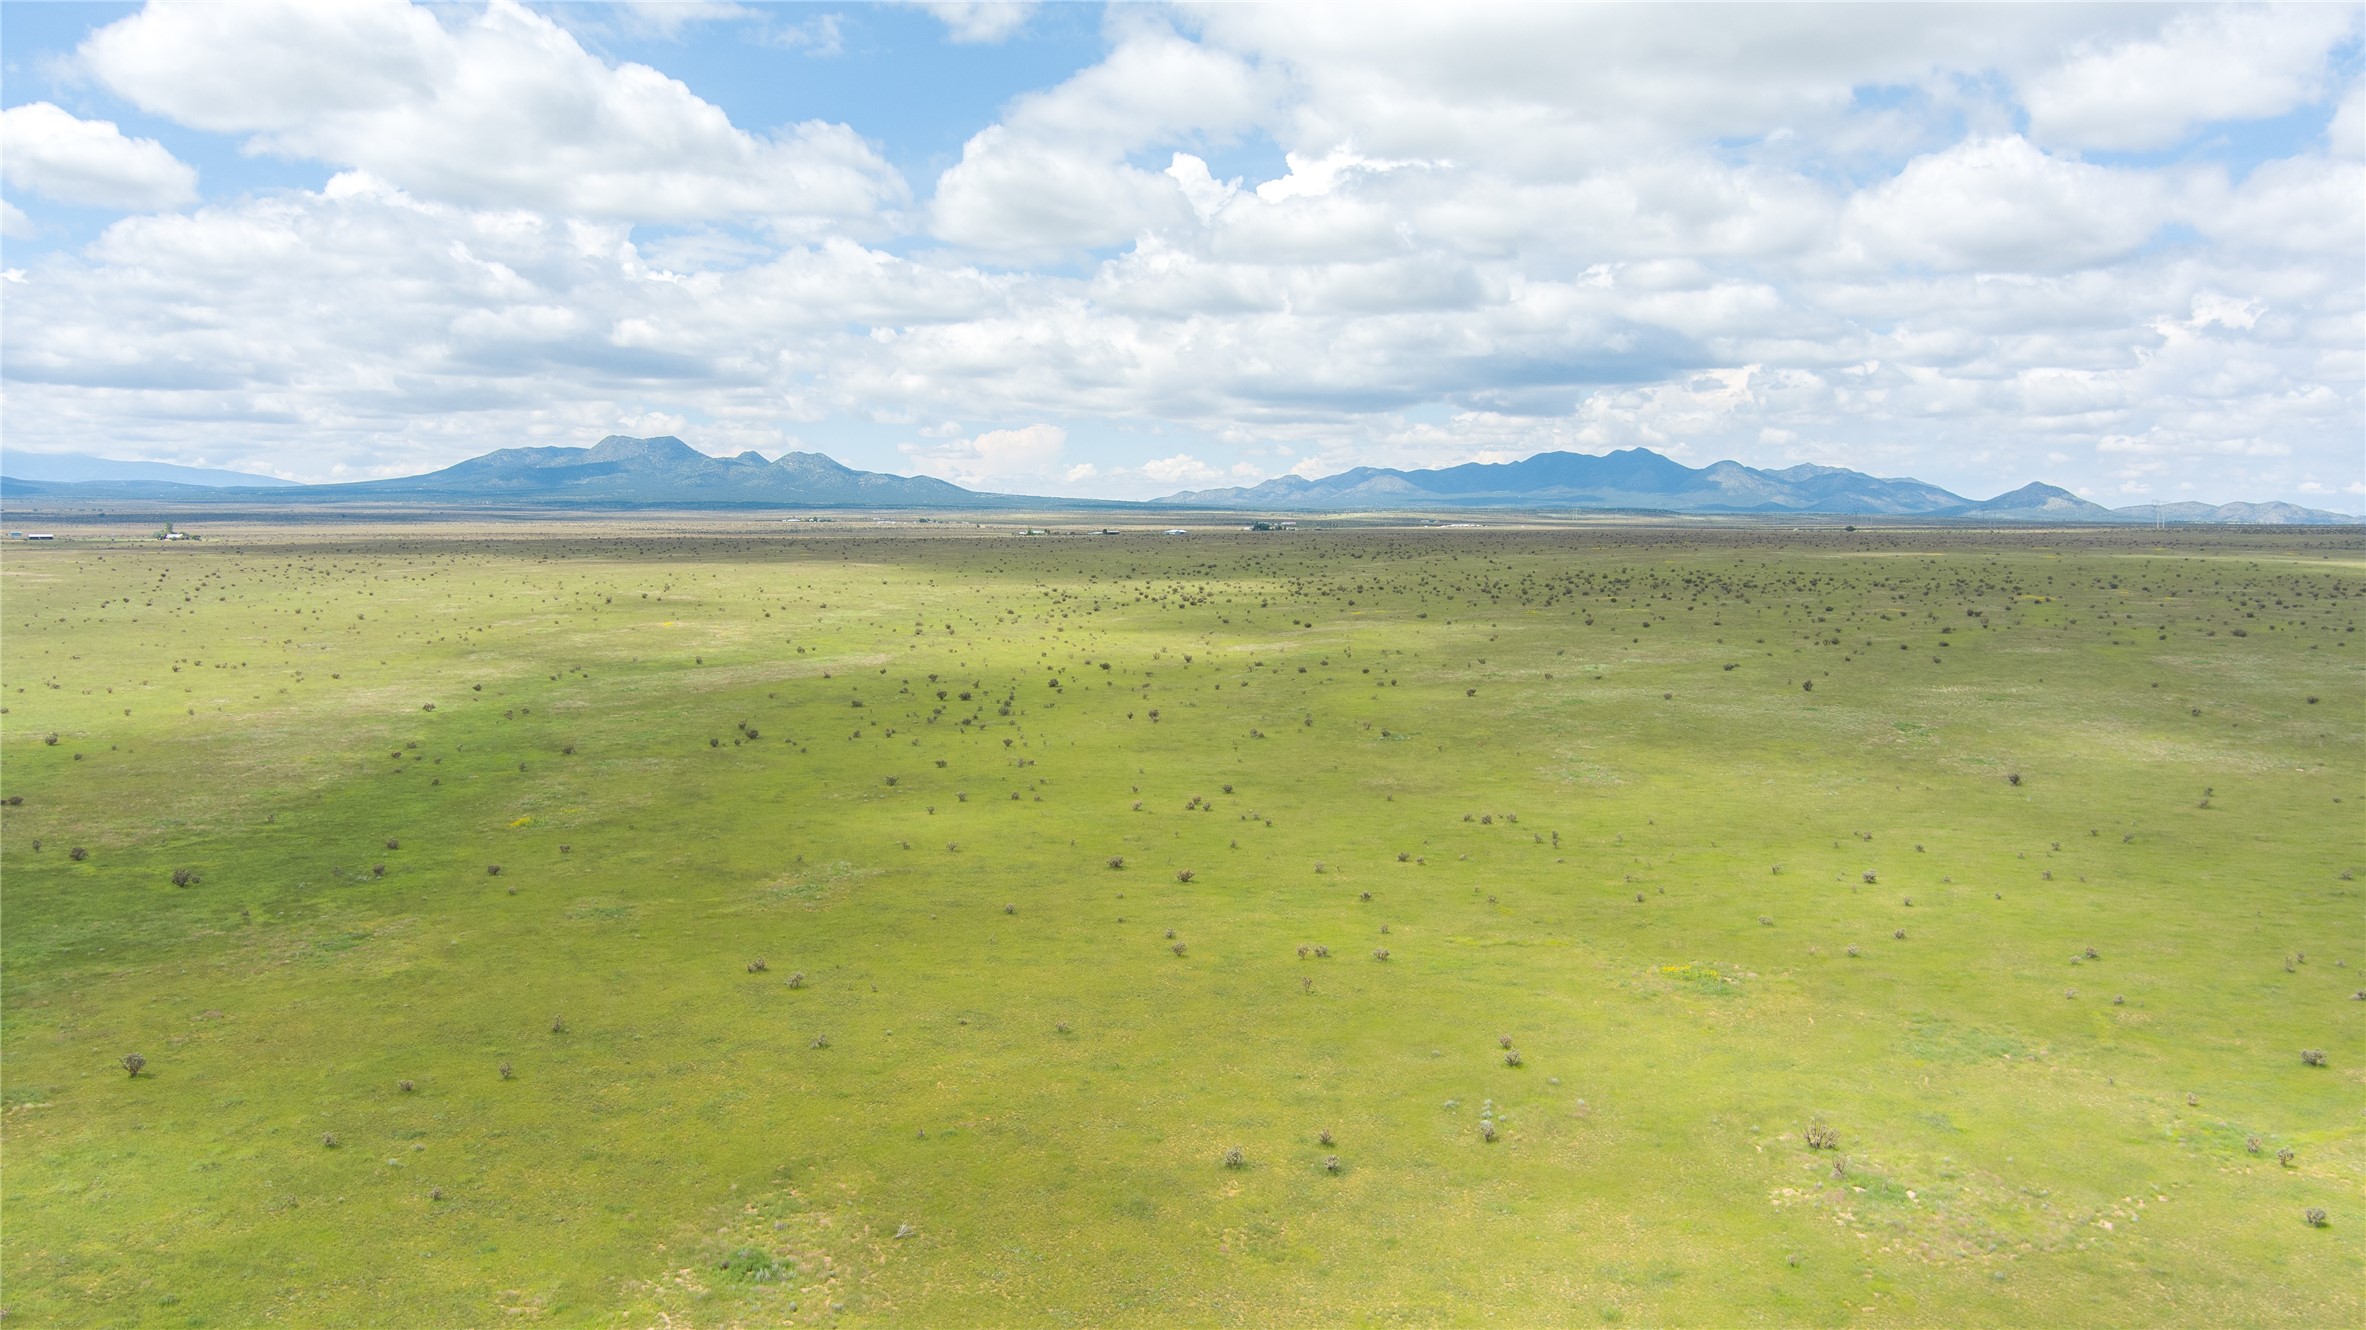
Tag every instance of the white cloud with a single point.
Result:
(52, 153)
(1051, 176)
(14, 224)
(1206, 194)
(668, 18)
(2236, 62)
(1182, 468)
(2002, 203)
(982, 21)
(820, 36)
(505, 109)
(1792, 235)
(997, 455)
(2346, 135)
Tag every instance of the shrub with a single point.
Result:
(508, 1073)
(1010, 909)
(797, 980)
(2013, 779)
(2252, 1145)
(1503, 1041)
(1511, 1058)
(1184, 876)
(77, 854)
(821, 1041)
(2312, 1057)
(558, 1025)
(329, 1139)
(1767, 920)
(492, 870)
(2284, 1156)
(1852, 950)
(403, 1086)
(377, 870)
(757, 966)
(1323, 1137)
(1820, 1137)
(1235, 1157)
(1331, 1165)
(393, 844)
(1379, 953)
(1117, 861)
(132, 1062)
(2314, 1217)
(182, 877)
(1178, 948)
(1321, 952)
(1487, 1129)
(1900, 935)
(1060, 1027)
(435, 1193)
(1869, 876)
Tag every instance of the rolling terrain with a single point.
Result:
(634, 924)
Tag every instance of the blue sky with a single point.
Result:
(1068, 249)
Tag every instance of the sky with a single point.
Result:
(1123, 251)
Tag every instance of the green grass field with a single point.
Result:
(1567, 790)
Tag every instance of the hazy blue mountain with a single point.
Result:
(77, 468)
(1638, 478)
(664, 470)
(2261, 514)
(619, 471)
(624, 472)
(1630, 478)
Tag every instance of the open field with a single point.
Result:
(2032, 901)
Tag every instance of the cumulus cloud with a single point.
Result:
(992, 457)
(1799, 236)
(504, 109)
(1182, 468)
(1052, 175)
(2238, 62)
(54, 154)
(2003, 203)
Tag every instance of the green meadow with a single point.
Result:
(765, 924)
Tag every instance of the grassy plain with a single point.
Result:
(1573, 782)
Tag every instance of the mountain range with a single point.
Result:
(1638, 478)
(73, 468)
(665, 472)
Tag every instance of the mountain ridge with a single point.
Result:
(623, 471)
(1638, 478)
